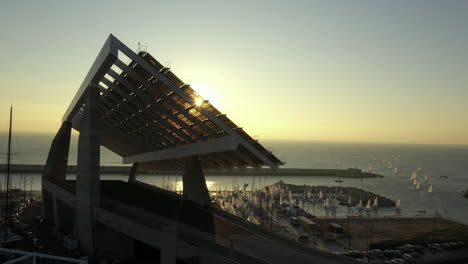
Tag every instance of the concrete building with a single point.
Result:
(135, 107)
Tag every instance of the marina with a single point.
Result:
(342, 173)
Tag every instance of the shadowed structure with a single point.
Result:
(140, 110)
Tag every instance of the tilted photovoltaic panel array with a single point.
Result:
(149, 115)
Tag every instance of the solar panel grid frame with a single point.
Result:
(181, 123)
(173, 102)
(134, 105)
(189, 91)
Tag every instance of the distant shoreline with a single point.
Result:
(343, 173)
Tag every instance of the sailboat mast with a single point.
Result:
(8, 177)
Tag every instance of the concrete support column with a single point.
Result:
(56, 213)
(57, 160)
(87, 175)
(194, 183)
(133, 172)
(169, 246)
(113, 244)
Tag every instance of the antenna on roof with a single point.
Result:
(141, 48)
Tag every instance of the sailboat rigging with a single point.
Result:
(7, 180)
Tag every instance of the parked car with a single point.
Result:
(303, 238)
(435, 246)
(418, 248)
(355, 254)
(294, 221)
(408, 257)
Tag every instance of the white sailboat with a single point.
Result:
(360, 204)
(417, 186)
(425, 178)
(430, 189)
(376, 203)
(320, 195)
(369, 169)
(396, 170)
(335, 203)
(368, 206)
(349, 200)
(327, 203)
(415, 182)
(397, 205)
(337, 163)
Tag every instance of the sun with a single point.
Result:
(206, 92)
(198, 101)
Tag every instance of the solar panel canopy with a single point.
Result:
(151, 117)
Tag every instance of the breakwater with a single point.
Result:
(343, 173)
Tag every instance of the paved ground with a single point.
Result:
(320, 244)
(387, 232)
(460, 256)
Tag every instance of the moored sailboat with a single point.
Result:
(335, 203)
(413, 176)
(368, 205)
(376, 203)
(327, 203)
(397, 205)
(359, 205)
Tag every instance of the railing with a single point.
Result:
(34, 256)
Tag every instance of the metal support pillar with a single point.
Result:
(194, 183)
(87, 174)
(133, 172)
(55, 169)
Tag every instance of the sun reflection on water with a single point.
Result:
(209, 184)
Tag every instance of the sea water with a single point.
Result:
(433, 160)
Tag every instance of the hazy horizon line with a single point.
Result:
(298, 140)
